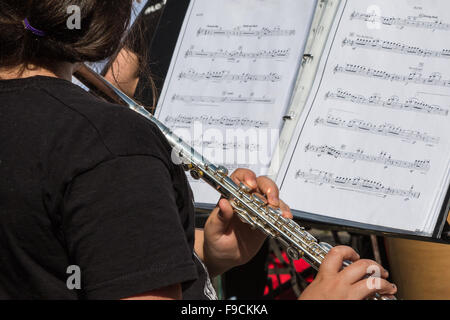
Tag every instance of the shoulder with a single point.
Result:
(121, 131)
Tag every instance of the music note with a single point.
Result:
(225, 75)
(373, 117)
(245, 31)
(359, 184)
(382, 158)
(412, 22)
(435, 79)
(200, 144)
(223, 99)
(235, 55)
(223, 121)
(394, 102)
(386, 129)
(390, 46)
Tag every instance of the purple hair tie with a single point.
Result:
(35, 31)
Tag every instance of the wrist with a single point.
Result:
(215, 262)
(215, 265)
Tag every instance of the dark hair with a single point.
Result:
(103, 25)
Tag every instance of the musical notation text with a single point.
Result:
(435, 79)
(382, 158)
(386, 129)
(394, 102)
(412, 22)
(245, 31)
(222, 121)
(228, 76)
(223, 99)
(234, 55)
(359, 184)
(397, 47)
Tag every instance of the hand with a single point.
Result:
(228, 242)
(334, 283)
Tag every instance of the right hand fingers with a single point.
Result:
(286, 211)
(366, 288)
(333, 261)
(361, 268)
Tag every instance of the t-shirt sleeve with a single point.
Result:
(122, 228)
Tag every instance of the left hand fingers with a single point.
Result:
(263, 185)
(245, 176)
(267, 187)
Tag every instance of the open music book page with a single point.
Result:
(372, 145)
(231, 79)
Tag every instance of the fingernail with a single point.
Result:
(275, 201)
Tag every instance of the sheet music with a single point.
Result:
(231, 79)
(373, 143)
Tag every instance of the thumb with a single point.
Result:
(221, 217)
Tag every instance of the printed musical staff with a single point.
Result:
(228, 76)
(382, 158)
(355, 184)
(223, 99)
(374, 118)
(397, 47)
(435, 79)
(412, 22)
(233, 69)
(222, 121)
(235, 55)
(375, 100)
(200, 145)
(386, 129)
(245, 31)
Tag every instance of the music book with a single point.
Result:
(231, 79)
(344, 103)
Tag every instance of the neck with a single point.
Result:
(63, 70)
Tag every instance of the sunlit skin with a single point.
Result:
(124, 78)
(63, 70)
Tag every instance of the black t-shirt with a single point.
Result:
(89, 184)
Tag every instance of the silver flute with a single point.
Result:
(250, 208)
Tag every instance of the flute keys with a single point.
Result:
(326, 246)
(293, 253)
(244, 188)
(221, 170)
(196, 174)
(258, 200)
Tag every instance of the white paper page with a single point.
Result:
(231, 79)
(373, 144)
